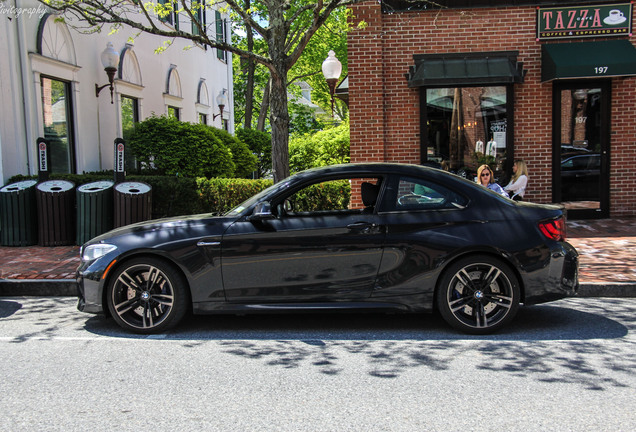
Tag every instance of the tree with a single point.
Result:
(251, 81)
(284, 26)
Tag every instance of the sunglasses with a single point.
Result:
(485, 174)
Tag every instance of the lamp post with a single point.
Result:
(110, 61)
(331, 69)
(221, 101)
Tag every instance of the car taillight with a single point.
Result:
(553, 229)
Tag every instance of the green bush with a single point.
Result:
(245, 161)
(333, 195)
(328, 147)
(167, 146)
(221, 195)
(260, 143)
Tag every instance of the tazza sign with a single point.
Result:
(584, 21)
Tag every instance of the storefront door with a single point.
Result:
(581, 119)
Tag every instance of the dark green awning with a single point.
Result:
(460, 69)
(588, 60)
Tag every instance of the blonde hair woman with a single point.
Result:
(486, 179)
(519, 180)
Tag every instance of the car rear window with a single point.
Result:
(421, 194)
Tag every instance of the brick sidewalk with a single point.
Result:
(607, 249)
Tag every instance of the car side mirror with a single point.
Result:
(262, 211)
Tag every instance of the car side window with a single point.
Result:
(420, 194)
(338, 196)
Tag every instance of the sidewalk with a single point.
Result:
(607, 249)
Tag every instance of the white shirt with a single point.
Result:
(518, 187)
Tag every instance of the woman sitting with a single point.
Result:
(485, 178)
(519, 180)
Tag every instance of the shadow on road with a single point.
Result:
(535, 323)
(586, 342)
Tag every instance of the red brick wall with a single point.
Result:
(385, 114)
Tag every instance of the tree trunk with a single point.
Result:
(251, 66)
(279, 121)
(262, 116)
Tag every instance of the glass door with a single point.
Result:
(58, 125)
(581, 148)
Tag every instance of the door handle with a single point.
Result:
(208, 244)
(363, 227)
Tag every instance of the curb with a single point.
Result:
(612, 289)
(38, 287)
(68, 287)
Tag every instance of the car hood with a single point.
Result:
(177, 227)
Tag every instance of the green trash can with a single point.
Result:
(56, 213)
(94, 210)
(133, 203)
(18, 215)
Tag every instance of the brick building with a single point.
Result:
(484, 81)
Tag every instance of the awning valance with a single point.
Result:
(461, 69)
(588, 60)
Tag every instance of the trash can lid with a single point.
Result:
(14, 187)
(55, 186)
(132, 188)
(96, 186)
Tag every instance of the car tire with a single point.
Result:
(478, 294)
(147, 295)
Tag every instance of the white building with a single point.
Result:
(48, 78)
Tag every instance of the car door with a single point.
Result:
(312, 251)
(421, 218)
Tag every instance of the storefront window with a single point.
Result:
(58, 130)
(466, 128)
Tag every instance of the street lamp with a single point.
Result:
(110, 60)
(221, 101)
(331, 69)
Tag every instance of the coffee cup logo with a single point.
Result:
(615, 17)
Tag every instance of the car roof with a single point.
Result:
(368, 167)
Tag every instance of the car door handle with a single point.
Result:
(363, 227)
(208, 244)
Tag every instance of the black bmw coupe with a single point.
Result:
(384, 237)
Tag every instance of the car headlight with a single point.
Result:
(95, 251)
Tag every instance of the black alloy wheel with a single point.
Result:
(478, 295)
(147, 296)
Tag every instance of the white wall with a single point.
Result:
(71, 56)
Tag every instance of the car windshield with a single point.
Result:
(256, 198)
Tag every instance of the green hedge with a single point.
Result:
(334, 195)
(221, 195)
(176, 196)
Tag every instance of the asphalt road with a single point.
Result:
(564, 366)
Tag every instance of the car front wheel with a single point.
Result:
(478, 295)
(147, 296)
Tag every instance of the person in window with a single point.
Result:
(485, 178)
(519, 180)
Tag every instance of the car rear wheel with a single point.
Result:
(478, 295)
(147, 295)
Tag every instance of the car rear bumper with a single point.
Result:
(561, 278)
